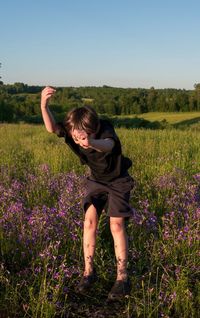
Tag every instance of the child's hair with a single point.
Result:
(82, 118)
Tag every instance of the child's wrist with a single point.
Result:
(44, 104)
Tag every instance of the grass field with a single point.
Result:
(172, 118)
(156, 120)
(41, 226)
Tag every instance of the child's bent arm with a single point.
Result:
(46, 114)
(48, 119)
(103, 145)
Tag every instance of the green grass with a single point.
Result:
(163, 265)
(172, 118)
(153, 153)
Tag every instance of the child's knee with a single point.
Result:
(90, 224)
(116, 226)
(91, 219)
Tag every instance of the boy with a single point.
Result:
(95, 142)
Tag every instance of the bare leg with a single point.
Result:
(121, 246)
(89, 238)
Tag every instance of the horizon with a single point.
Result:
(102, 86)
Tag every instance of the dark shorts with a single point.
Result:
(113, 196)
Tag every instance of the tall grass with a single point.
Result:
(41, 227)
(153, 152)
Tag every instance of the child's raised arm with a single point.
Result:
(47, 116)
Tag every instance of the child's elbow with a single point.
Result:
(51, 130)
(110, 144)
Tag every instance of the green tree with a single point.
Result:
(1, 83)
(6, 111)
(197, 95)
(151, 99)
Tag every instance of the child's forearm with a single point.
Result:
(103, 145)
(49, 121)
(48, 118)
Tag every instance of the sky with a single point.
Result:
(119, 43)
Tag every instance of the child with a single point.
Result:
(95, 142)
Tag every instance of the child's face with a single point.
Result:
(81, 137)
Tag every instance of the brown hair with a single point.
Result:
(82, 118)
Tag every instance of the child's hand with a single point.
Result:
(46, 94)
(89, 141)
(82, 138)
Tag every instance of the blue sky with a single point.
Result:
(120, 43)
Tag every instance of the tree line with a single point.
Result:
(21, 102)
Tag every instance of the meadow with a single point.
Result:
(41, 227)
(172, 118)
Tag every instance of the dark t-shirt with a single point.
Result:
(104, 166)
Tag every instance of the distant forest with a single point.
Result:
(21, 102)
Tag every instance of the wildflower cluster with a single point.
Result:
(41, 243)
(28, 226)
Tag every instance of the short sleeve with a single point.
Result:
(108, 131)
(60, 130)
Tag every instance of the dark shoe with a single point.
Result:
(86, 283)
(120, 289)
